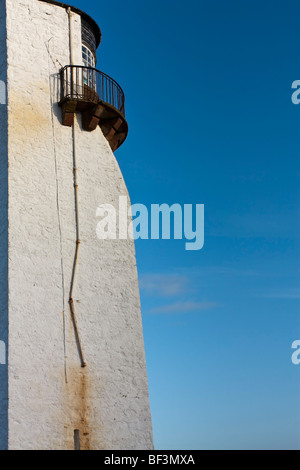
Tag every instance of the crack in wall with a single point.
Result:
(58, 207)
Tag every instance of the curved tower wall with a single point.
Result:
(50, 395)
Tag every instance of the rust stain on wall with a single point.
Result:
(29, 113)
(79, 408)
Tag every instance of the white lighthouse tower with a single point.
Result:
(75, 374)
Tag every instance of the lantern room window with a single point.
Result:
(88, 58)
(88, 54)
(89, 45)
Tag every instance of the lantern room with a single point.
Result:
(85, 89)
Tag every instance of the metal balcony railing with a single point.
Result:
(90, 85)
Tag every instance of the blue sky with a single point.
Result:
(208, 90)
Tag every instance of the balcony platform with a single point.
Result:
(100, 100)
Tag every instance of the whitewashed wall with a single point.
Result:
(3, 237)
(50, 395)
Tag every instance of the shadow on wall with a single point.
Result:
(55, 93)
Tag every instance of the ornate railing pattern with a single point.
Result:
(88, 84)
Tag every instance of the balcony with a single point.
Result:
(100, 100)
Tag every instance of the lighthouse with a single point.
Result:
(74, 375)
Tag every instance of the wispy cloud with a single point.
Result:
(221, 271)
(277, 223)
(178, 289)
(293, 293)
(183, 291)
(165, 285)
(186, 280)
(182, 307)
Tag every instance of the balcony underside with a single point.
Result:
(96, 112)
